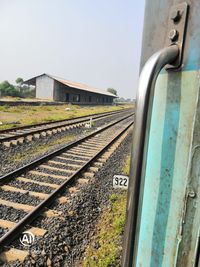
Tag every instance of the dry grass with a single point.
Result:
(13, 116)
(109, 231)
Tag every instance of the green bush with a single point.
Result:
(8, 89)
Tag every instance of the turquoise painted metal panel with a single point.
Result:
(169, 216)
(166, 169)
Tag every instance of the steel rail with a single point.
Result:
(79, 119)
(33, 164)
(36, 131)
(147, 82)
(15, 231)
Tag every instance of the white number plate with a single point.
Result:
(120, 181)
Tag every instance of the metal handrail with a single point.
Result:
(147, 82)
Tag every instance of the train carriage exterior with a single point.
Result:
(163, 211)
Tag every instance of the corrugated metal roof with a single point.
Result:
(73, 85)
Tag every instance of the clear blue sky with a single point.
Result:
(93, 42)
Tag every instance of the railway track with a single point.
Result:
(31, 189)
(21, 134)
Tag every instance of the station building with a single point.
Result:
(52, 88)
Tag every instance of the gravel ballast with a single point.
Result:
(48, 179)
(68, 237)
(33, 186)
(19, 198)
(8, 155)
(11, 214)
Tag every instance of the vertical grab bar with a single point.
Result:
(147, 82)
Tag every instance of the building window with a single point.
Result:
(67, 97)
(75, 98)
(90, 99)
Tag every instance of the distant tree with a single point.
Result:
(19, 90)
(27, 91)
(120, 99)
(19, 81)
(112, 91)
(7, 89)
(124, 100)
(4, 85)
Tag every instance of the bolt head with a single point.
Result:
(173, 35)
(192, 194)
(176, 15)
